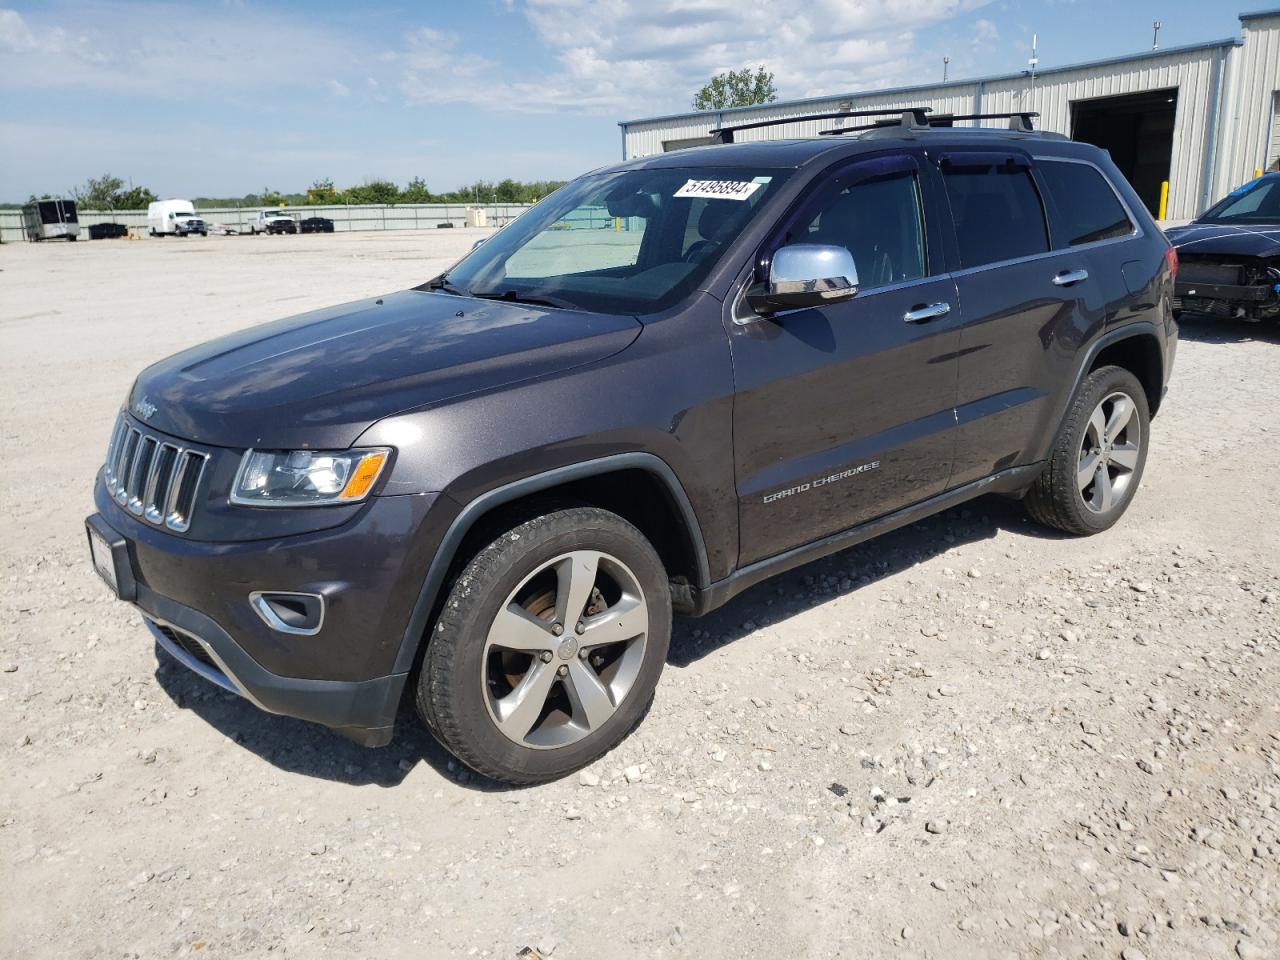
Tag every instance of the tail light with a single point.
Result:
(1171, 258)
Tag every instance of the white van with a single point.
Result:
(174, 217)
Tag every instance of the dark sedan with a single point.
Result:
(316, 225)
(1229, 259)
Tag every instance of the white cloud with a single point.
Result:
(627, 57)
(117, 47)
(619, 58)
(15, 36)
(984, 33)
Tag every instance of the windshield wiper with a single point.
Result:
(513, 296)
(442, 283)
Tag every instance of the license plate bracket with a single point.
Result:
(109, 553)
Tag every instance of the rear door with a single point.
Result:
(845, 412)
(1026, 308)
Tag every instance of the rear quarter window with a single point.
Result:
(1082, 206)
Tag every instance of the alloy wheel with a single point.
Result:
(565, 649)
(1109, 453)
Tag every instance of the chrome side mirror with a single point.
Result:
(806, 275)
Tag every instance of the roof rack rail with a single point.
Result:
(913, 117)
(1021, 122)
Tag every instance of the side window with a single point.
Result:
(878, 220)
(1082, 206)
(997, 212)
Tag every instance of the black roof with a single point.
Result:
(797, 153)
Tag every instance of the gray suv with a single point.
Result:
(665, 382)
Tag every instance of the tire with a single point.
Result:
(578, 702)
(1069, 494)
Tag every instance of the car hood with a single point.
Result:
(320, 379)
(1252, 240)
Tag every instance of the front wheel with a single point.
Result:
(549, 646)
(1096, 463)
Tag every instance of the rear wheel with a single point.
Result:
(549, 646)
(1097, 460)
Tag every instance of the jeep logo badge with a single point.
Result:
(144, 408)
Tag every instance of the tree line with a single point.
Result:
(110, 192)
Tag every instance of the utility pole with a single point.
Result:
(946, 62)
(1155, 35)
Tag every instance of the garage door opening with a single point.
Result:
(1137, 129)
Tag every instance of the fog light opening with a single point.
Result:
(289, 611)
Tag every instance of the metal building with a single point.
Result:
(1203, 117)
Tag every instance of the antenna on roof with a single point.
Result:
(1033, 63)
(1155, 35)
(946, 62)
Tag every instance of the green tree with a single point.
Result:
(135, 198)
(375, 191)
(416, 192)
(322, 192)
(736, 88)
(270, 198)
(99, 193)
(108, 193)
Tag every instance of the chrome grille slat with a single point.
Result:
(139, 472)
(158, 478)
(152, 477)
(124, 464)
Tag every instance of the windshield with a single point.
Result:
(635, 241)
(1256, 202)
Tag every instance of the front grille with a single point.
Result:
(1205, 271)
(152, 477)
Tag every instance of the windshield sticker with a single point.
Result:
(718, 189)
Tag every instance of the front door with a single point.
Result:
(844, 413)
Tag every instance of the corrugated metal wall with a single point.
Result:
(1190, 72)
(1223, 118)
(1256, 78)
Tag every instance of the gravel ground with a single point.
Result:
(971, 738)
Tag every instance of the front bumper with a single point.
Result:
(1226, 300)
(195, 597)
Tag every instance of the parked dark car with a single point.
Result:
(1229, 258)
(489, 493)
(316, 225)
(108, 231)
(282, 225)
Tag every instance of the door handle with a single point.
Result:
(928, 312)
(1068, 277)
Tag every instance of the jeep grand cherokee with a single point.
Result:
(665, 382)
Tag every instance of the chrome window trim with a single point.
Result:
(272, 619)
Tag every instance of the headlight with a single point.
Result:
(306, 478)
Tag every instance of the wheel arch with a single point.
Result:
(1139, 352)
(606, 482)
